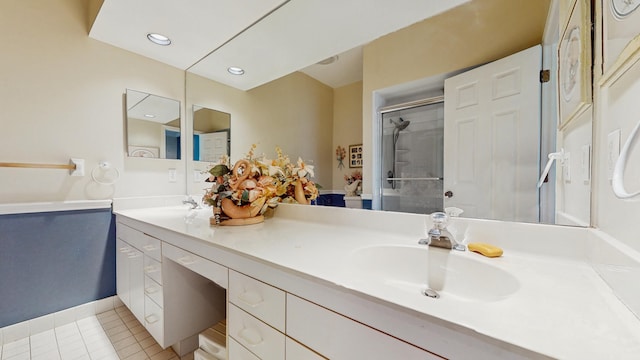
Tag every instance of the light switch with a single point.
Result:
(173, 175)
(613, 151)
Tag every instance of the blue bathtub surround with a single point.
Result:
(366, 204)
(51, 261)
(330, 199)
(336, 198)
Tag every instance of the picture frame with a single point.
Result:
(574, 64)
(355, 156)
(144, 151)
(621, 27)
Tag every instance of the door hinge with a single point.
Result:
(545, 76)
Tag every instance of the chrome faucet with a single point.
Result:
(192, 202)
(439, 236)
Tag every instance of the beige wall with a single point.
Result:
(62, 96)
(347, 127)
(294, 112)
(451, 41)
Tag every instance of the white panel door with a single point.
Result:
(491, 138)
(213, 146)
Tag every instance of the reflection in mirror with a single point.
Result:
(153, 126)
(388, 78)
(211, 134)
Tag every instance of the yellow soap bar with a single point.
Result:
(485, 249)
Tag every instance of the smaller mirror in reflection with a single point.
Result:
(153, 126)
(211, 134)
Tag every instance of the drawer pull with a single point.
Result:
(187, 260)
(151, 290)
(251, 336)
(151, 319)
(124, 250)
(150, 269)
(133, 255)
(251, 298)
(149, 247)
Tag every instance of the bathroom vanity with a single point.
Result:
(309, 283)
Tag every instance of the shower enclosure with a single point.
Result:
(412, 157)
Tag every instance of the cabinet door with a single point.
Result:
(136, 284)
(337, 337)
(122, 271)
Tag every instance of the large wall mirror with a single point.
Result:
(389, 64)
(153, 126)
(211, 134)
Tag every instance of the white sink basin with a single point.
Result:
(416, 268)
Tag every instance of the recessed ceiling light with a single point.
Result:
(235, 70)
(328, 61)
(159, 39)
(149, 115)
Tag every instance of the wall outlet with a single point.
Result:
(613, 151)
(173, 175)
(197, 176)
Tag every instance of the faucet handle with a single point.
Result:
(440, 220)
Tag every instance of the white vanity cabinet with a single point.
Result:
(177, 293)
(130, 277)
(139, 277)
(174, 295)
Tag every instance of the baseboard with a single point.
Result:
(47, 322)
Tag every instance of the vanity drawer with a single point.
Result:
(153, 269)
(347, 339)
(260, 338)
(141, 241)
(152, 247)
(238, 352)
(154, 320)
(257, 298)
(153, 290)
(210, 270)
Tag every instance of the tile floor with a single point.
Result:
(111, 335)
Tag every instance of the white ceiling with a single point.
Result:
(152, 108)
(267, 38)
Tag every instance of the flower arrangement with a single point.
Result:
(341, 153)
(254, 184)
(350, 179)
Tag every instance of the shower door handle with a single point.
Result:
(448, 194)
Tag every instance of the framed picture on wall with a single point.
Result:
(621, 25)
(144, 151)
(355, 156)
(574, 63)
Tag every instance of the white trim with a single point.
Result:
(38, 207)
(330, 192)
(47, 322)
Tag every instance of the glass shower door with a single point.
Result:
(412, 159)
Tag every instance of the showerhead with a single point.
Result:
(400, 123)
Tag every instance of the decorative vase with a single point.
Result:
(238, 214)
(350, 189)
